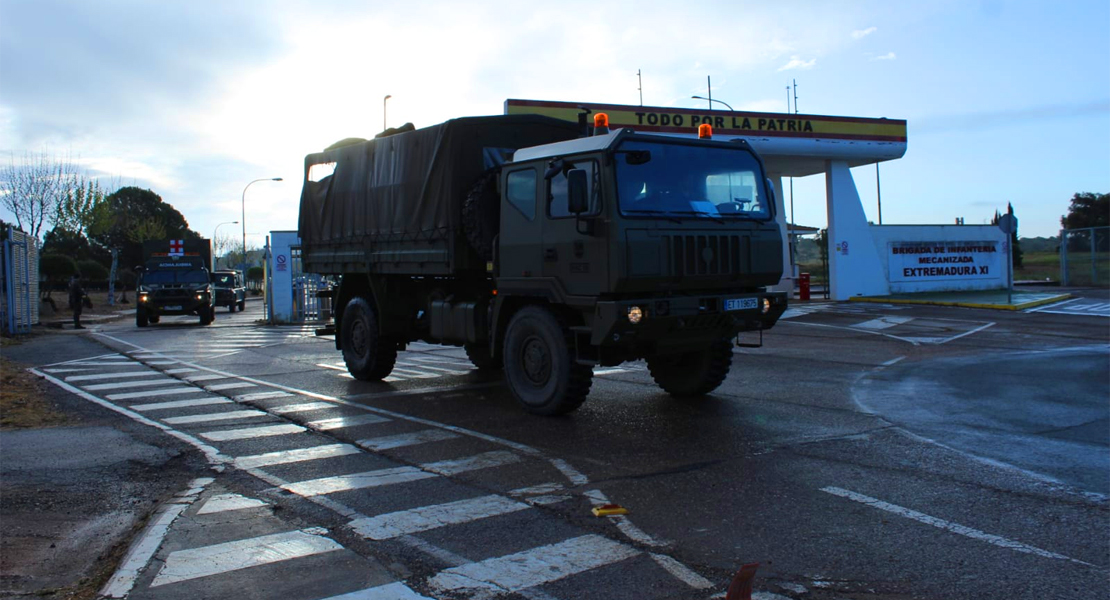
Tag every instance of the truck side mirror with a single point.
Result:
(577, 192)
(771, 191)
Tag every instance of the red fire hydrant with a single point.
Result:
(803, 286)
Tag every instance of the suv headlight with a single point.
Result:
(635, 314)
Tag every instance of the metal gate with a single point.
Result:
(1085, 256)
(19, 278)
(307, 306)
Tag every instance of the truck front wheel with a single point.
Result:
(480, 357)
(141, 319)
(692, 373)
(369, 357)
(207, 315)
(539, 364)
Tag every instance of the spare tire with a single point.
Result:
(481, 214)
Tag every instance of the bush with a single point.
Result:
(92, 270)
(56, 269)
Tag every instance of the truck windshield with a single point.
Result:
(164, 277)
(679, 181)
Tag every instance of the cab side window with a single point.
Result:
(557, 200)
(521, 192)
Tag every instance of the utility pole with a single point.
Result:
(709, 83)
(879, 192)
(640, 79)
(795, 97)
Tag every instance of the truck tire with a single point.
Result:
(141, 320)
(368, 356)
(540, 367)
(693, 373)
(153, 318)
(479, 356)
(231, 307)
(207, 315)
(481, 215)
(242, 305)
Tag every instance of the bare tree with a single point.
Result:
(222, 245)
(34, 188)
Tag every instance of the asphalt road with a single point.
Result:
(865, 451)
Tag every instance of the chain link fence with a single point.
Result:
(1085, 256)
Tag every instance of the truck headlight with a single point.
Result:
(144, 297)
(766, 305)
(635, 314)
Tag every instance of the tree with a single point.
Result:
(92, 271)
(56, 269)
(130, 216)
(78, 208)
(35, 187)
(1087, 210)
(74, 245)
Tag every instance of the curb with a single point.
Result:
(1017, 306)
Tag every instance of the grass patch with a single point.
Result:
(23, 402)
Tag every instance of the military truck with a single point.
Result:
(544, 252)
(175, 280)
(231, 291)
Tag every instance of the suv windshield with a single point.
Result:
(682, 181)
(164, 277)
(224, 280)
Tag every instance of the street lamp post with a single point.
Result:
(385, 119)
(712, 100)
(216, 232)
(243, 219)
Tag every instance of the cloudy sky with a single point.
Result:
(1006, 101)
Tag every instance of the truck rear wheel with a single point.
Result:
(480, 357)
(540, 367)
(369, 357)
(693, 373)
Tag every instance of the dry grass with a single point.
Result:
(23, 401)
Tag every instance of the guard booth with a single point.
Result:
(864, 259)
(293, 294)
(19, 280)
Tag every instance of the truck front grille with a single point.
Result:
(689, 255)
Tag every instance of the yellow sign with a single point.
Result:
(725, 123)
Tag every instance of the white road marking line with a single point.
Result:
(262, 396)
(426, 365)
(611, 370)
(534, 567)
(291, 456)
(70, 370)
(228, 386)
(543, 488)
(357, 481)
(681, 572)
(333, 367)
(389, 591)
(1047, 307)
(947, 525)
(414, 373)
(224, 416)
(251, 432)
(73, 378)
(162, 363)
(425, 518)
(343, 422)
(203, 377)
(485, 460)
(302, 407)
(893, 361)
(131, 384)
(228, 502)
(406, 439)
(179, 404)
(105, 364)
(184, 565)
(966, 333)
(441, 360)
(884, 322)
(158, 392)
(598, 498)
(179, 371)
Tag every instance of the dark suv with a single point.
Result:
(230, 291)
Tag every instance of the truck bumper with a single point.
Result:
(678, 323)
(157, 309)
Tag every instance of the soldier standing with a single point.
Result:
(76, 299)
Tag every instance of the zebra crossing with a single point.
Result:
(421, 365)
(394, 481)
(222, 341)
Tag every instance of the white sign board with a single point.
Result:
(945, 261)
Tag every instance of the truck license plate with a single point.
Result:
(741, 303)
(173, 308)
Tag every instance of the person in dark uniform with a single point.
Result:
(76, 299)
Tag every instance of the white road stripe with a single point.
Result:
(302, 407)
(180, 403)
(228, 386)
(101, 363)
(947, 525)
(681, 572)
(389, 591)
(71, 370)
(406, 439)
(162, 363)
(160, 392)
(425, 365)
(485, 460)
(228, 502)
(343, 422)
(261, 396)
(179, 371)
(184, 565)
(534, 567)
(73, 378)
(425, 518)
(251, 432)
(414, 373)
(224, 416)
(333, 367)
(203, 377)
(131, 384)
(357, 481)
(292, 456)
(884, 322)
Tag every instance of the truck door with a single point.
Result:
(519, 252)
(579, 261)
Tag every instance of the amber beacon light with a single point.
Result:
(601, 124)
(705, 131)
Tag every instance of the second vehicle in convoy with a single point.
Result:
(544, 252)
(230, 290)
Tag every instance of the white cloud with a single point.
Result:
(887, 56)
(797, 63)
(862, 33)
